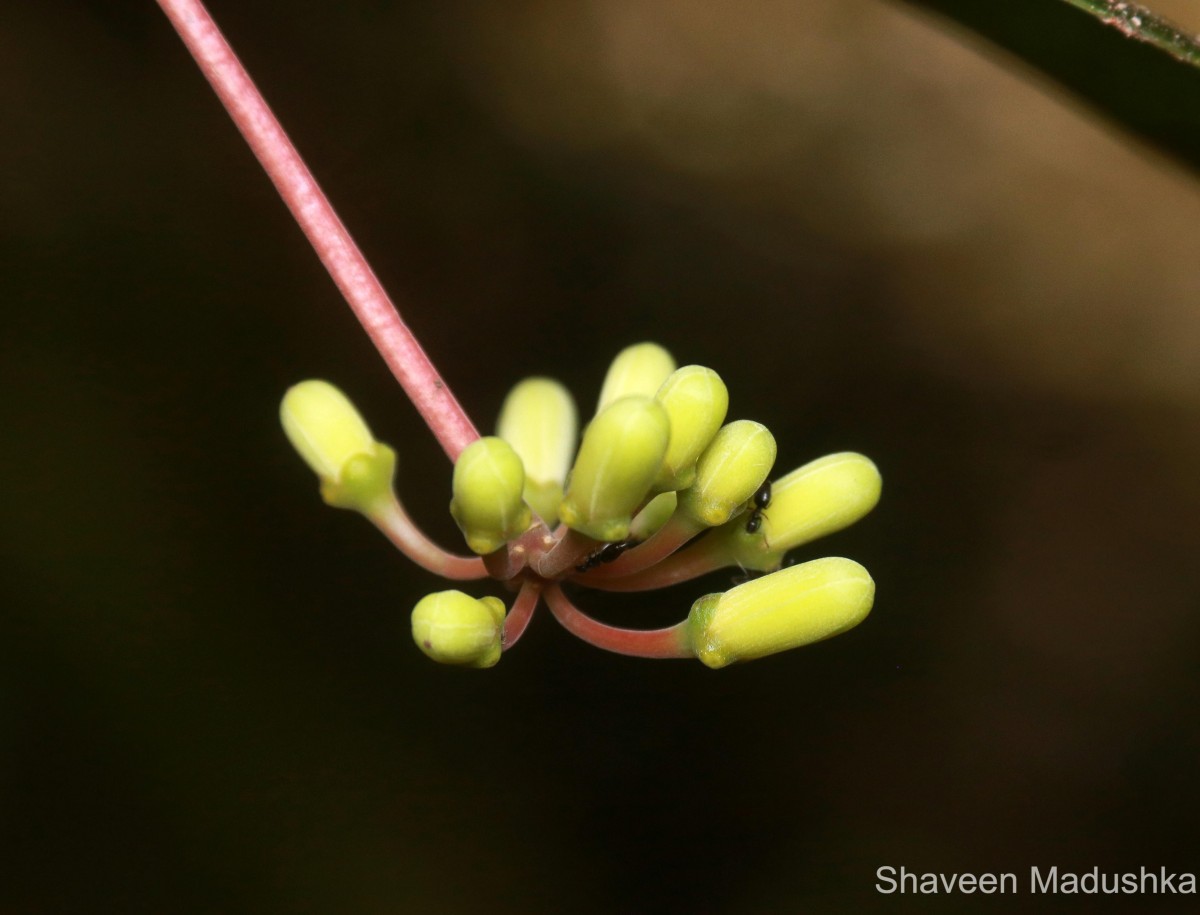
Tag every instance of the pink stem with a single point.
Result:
(698, 559)
(398, 527)
(333, 244)
(672, 642)
(522, 612)
(663, 543)
(567, 553)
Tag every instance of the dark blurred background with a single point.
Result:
(885, 236)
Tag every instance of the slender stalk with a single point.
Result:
(672, 642)
(506, 564)
(1136, 21)
(522, 611)
(700, 558)
(664, 542)
(333, 244)
(398, 527)
(564, 555)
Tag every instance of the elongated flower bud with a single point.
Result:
(819, 498)
(732, 467)
(658, 511)
(488, 503)
(538, 419)
(329, 434)
(696, 400)
(454, 628)
(786, 609)
(638, 370)
(622, 449)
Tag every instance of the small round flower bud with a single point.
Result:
(819, 498)
(786, 609)
(696, 400)
(622, 449)
(538, 419)
(332, 438)
(455, 628)
(638, 370)
(729, 471)
(488, 504)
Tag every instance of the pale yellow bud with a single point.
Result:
(638, 370)
(621, 452)
(696, 400)
(786, 609)
(658, 511)
(332, 438)
(454, 628)
(538, 419)
(734, 465)
(488, 504)
(812, 501)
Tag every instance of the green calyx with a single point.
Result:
(786, 609)
(333, 439)
(696, 401)
(732, 467)
(488, 503)
(365, 483)
(539, 421)
(637, 371)
(819, 498)
(454, 628)
(621, 453)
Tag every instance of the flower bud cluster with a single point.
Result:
(656, 466)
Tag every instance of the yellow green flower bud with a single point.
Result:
(488, 503)
(622, 449)
(729, 471)
(658, 511)
(638, 370)
(819, 498)
(696, 400)
(324, 427)
(455, 628)
(538, 419)
(786, 609)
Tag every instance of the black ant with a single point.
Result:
(750, 574)
(744, 576)
(606, 554)
(762, 498)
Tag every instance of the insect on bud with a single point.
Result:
(729, 472)
(819, 498)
